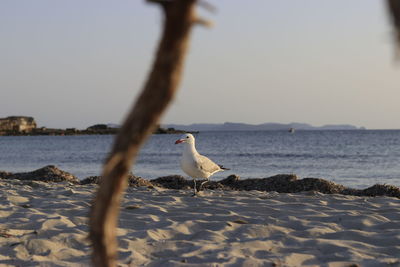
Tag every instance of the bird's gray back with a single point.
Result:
(207, 165)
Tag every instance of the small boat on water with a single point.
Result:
(291, 130)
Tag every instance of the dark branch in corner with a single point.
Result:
(394, 11)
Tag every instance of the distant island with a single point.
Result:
(24, 125)
(231, 126)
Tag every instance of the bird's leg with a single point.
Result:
(202, 184)
(194, 187)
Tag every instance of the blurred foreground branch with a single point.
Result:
(159, 90)
(157, 93)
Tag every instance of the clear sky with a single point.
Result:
(73, 63)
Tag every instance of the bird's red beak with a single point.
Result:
(179, 141)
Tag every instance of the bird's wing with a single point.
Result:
(206, 164)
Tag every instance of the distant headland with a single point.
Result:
(231, 126)
(24, 125)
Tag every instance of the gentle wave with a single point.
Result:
(353, 158)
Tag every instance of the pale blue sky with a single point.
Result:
(76, 63)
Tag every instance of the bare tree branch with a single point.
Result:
(158, 92)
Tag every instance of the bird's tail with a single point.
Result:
(223, 168)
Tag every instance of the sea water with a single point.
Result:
(357, 158)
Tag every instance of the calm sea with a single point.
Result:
(353, 158)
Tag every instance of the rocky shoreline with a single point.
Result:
(27, 126)
(281, 183)
(98, 129)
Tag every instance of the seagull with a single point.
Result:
(194, 164)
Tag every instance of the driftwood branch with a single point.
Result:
(158, 92)
(394, 11)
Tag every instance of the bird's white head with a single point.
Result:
(186, 138)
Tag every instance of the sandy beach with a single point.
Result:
(45, 224)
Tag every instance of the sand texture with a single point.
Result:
(43, 224)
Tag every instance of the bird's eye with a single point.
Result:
(187, 136)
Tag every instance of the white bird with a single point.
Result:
(194, 164)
